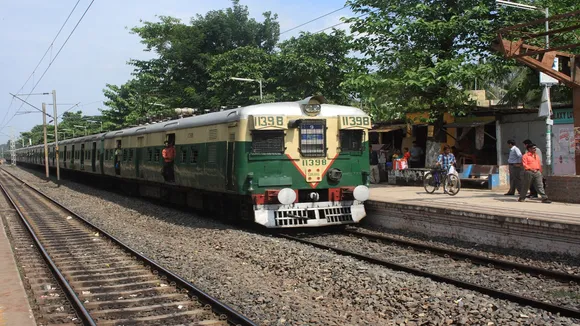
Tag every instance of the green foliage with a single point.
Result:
(423, 51)
(195, 63)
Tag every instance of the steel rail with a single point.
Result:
(233, 317)
(474, 258)
(67, 288)
(563, 311)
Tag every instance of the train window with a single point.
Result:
(183, 155)
(124, 155)
(149, 155)
(351, 140)
(268, 142)
(131, 155)
(212, 153)
(157, 155)
(194, 156)
(312, 138)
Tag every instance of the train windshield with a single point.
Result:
(313, 138)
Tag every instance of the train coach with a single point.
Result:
(288, 164)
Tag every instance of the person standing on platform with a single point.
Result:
(533, 174)
(533, 191)
(515, 164)
(374, 160)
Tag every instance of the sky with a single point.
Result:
(97, 52)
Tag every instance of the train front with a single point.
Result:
(309, 167)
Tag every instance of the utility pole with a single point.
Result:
(12, 147)
(56, 149)
(45, 143)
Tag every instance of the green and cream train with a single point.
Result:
(290, 164)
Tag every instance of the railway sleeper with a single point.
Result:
(120, 280)
(88, 257)
(132, 301)
(111, 296)
(160, 319)
(141, 311)
(103, 270)
(131, 286)
(104, 276)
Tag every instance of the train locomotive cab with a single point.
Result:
(309, 166)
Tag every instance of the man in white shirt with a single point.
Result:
(515, 164)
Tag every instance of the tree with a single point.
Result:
(423, 51)
(314, 64)
(247, 62)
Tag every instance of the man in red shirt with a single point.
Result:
(168, 154)
(533, 173)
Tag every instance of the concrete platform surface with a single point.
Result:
(14, 307)
(479, 201)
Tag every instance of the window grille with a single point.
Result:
(212, 153)
(157, 155)
(194, 156)
(268, 142)
(351, 140)
(183, 155)
(312, 138)
(124, 155)
(213, 134)
(149, 155)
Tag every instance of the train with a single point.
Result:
(280, 165)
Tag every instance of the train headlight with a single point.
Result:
(286, 196)
(361, 193)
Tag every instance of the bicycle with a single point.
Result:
(433, 179)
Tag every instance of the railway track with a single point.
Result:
(548, 290)
(105, 281)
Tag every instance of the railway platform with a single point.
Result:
(480, 216)
(14, 307)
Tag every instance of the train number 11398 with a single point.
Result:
(355, 121)
(261, 122)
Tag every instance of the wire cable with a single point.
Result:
(365, 14)
(55, 57)
(41, 59)
(313, 20)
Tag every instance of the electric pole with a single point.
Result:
(56, 149)
(45, 143)
(12, 147)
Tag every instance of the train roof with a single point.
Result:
(277, 109)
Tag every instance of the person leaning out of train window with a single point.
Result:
(117, 162)
(168, 154)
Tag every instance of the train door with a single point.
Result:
(118, 155)
(230, 164)
(82, 155)
(94, 157)
(138, 156)
(102, 156)
(64, 157)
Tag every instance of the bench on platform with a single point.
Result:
(480, 175)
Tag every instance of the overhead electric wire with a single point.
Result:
(41, 59)
(56, 56)
(367, 13)
(313, 20)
